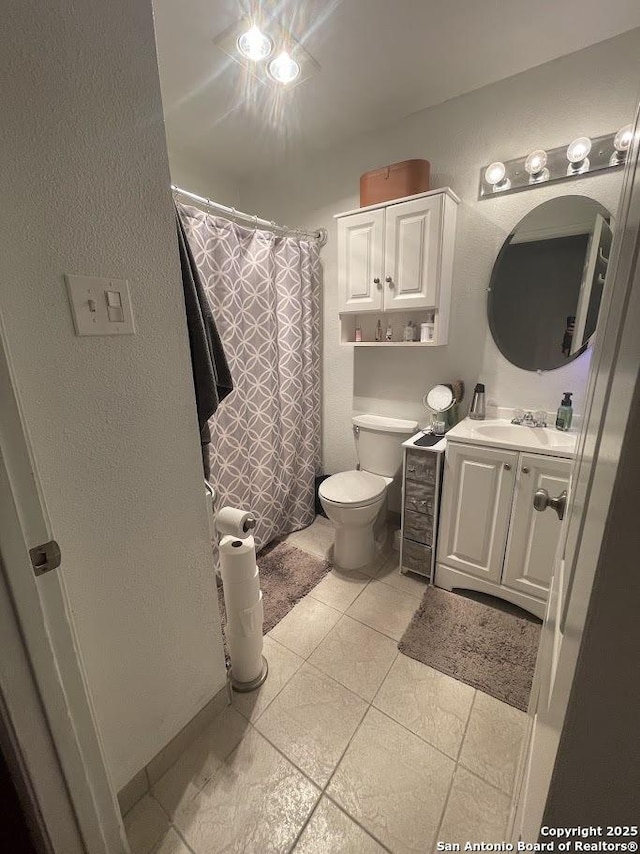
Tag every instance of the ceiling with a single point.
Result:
(380, 60)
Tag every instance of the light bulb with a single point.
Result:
(623, 138)
(536, 161)
(255, 45)
(283, 68)
(578, 149)
(494, 173)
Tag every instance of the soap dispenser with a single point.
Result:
(478, 410)
(565, 412)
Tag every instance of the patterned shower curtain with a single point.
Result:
(264, 291)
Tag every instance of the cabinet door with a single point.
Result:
(413, 236)
(533, 537)
(477, 494)
(360, 261)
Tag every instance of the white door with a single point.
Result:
(360, 261)
(77, 804)
(478, 491)
(533, 537)
(592, 283)
(413, 238)
(615, 369)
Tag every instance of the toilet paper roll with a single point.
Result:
(236, 523)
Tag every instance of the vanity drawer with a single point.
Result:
(421, 467)
(419, 497)
(418, 527)
(416, 557)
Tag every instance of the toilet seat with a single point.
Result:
(353, 488)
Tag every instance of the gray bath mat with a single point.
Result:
(488, 644)
(287, 574)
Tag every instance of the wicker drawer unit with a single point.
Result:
(421, 496)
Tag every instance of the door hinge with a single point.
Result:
(45, 557)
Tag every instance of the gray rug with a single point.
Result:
(488, 644)
(287, 574)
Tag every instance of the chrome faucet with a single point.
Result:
(530, 419)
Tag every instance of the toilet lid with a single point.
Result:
(353, 487)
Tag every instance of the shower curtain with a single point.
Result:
(264, 291)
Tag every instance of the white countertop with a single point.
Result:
(500, 433)
(439, 446)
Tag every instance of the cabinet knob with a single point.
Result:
(525, 470)
(376, 281)
(411, 468)
(507, 466)
(389, 281)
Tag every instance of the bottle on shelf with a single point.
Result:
(358, 334)
(409, 331)
(379, 330)
(389, 333)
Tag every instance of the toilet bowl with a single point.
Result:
(356, 501)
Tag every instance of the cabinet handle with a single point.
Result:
(377, 281)
(389, 281)
(525, 470)
(507, 466)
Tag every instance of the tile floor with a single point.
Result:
(348, 748)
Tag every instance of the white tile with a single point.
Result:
(330, 831)
(384, 609)
(412, 584)
(311, 721)
(339, 588)
(200, 760)
(493, 741)
(317, 539)
(429, 703)
(305, 626)
(145, 825)
(256, 802)
(282, 665)
(475, 811)
(356, 656)
(171, 844)
(393, 784)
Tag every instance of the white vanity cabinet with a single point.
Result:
(491, 537)
(398, 256)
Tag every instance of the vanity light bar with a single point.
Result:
(582, 156)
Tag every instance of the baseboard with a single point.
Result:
(141, 783)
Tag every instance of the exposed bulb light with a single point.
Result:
(255, 45)
(284, 69)
(577, 155)
(495, 174)
(535, 162)
(623, 138)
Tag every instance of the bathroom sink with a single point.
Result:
(503, 434)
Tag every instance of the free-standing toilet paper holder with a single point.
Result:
(243, 600)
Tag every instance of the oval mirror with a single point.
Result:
(546, 285)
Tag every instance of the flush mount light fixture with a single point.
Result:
(268, 51)
(284, 69)
(584, 155)
(254, 44)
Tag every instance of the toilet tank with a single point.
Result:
(379, 442)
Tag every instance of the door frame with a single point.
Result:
(614, 376)
(44, 693)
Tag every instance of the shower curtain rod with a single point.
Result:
(320, 234)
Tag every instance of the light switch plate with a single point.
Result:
(89, 298)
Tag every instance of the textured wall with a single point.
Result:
(546, 106)
(112, 420)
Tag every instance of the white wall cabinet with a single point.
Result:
(491, 537)
(398, 257)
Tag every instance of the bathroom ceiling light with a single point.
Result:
(284, 69)
(254, 44)
(536, 161)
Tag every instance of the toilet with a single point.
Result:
(355, 500)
